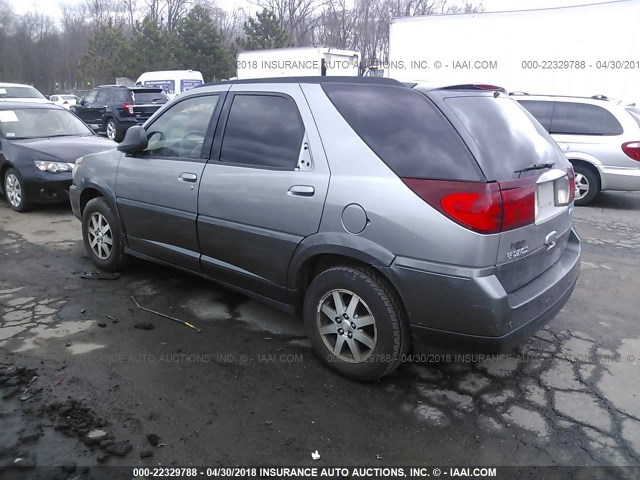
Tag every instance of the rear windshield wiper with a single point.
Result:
(536, 166)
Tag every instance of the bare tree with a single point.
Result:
(297, 17)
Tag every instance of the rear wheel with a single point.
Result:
(356, 323)
(102, 237)
(587, 184)
(113, 131)
(14, 191)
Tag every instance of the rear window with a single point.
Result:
(405, 130)
(149, 96)
(583, 119)
(506, 134)
(20, 92)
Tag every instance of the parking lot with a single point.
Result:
(248, 389)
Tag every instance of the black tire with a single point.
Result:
(391, 326)
(112, 123)
(593, 181)
(23, 205)
(116, 259)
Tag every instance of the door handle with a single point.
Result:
(188, 177)
(302, 191)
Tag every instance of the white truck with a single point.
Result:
(582, 50)
(173, 82)
(298, 62)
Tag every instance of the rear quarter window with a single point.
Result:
(541, 110)
(583, 119)
(405, 130)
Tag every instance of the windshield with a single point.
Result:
(39, 123)
(20, 92)
(149, 96)
(69, 97)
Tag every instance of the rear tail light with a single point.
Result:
(572, 183)
(128, 107)
(483, 207)
(632, 149)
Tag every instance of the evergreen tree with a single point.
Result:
(264, 32)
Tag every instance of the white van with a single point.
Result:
(173, 82)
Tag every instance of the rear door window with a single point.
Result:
(263, 131)
(506, 134)
(405, 130)
(541, 110)
(103, 97)
(583, 119)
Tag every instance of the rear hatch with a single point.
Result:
(146, 101)
(534, 178)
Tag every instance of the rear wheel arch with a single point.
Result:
(320, 262)
(592, 175)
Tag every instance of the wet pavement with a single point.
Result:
(82, 383)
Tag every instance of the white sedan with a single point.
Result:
(64, 100)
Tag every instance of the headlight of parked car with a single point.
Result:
(54, 167)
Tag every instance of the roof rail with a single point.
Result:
(314, 79)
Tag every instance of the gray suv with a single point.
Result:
(391, 218)
(600, 138)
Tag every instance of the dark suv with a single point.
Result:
(112, 109)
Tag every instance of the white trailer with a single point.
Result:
(298, 62)
(582, 50)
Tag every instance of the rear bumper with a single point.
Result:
(619, 178)
(469, 310)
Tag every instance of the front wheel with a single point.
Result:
(14, 191)
(102, 236)
(356, 323)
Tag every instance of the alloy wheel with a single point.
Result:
(111, 130)
(13, 190)
(347, 326)
(100, 236)
(582, 186)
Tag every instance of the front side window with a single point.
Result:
(181, 130)
(263, 131)
(91, 97)
(583, 119)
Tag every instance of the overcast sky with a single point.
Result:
(52, 7)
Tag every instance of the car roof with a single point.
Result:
(132, 87)
(15, 85)
(315, 79)
(9, 105)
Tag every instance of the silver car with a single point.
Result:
(600, 138)
(392, 219)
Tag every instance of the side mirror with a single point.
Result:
(135, 140)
